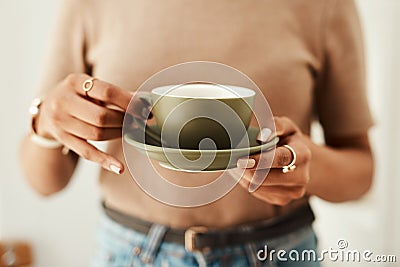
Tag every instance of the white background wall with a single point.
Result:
(372, 223)
(62, 227)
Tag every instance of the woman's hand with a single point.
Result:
(72, 116)
(278, 188)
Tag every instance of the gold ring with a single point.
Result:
(88, 85)
(291, 166)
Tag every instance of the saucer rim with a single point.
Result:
(148, 147)
(236, 153)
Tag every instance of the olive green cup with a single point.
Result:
(202, 115)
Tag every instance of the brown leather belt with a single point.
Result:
(199, 238)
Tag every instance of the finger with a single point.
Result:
(89, 152)
(278, 195)
(284, 126)
(291, 191)
(277, 158)
(299, 177)
(283, 157)
(139, 108)
(87, 131)
(253, 179)
(295, 152)
(258, 179)
(236, 173)
(103, 91)
(94, 114)
(257, 161)
(265, 135)
(277, 178)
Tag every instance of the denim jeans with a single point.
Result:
(118, 246)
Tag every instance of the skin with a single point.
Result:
(349, 158)
(339, 171)
(85, 117)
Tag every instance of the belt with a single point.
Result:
(200, 238)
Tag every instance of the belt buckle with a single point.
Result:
(190, 235)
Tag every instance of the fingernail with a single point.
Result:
(253, 187)
(236, 173)
(257, 180)
(115, 169)
(145, 101)
(246, 163)
(145, 113)
(264, 134)
(128, 119)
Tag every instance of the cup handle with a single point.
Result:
(142, 124)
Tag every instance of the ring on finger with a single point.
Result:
(88, 85)
(291, 166)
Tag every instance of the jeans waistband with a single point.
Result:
(200, 237)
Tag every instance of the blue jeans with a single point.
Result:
(119, 246)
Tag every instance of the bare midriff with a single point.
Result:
(237, 207)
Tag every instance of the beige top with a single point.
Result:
(305, 55)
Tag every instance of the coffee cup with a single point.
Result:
(201, 115)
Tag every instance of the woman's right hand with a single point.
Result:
(73, 117)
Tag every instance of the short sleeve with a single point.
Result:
(66, 50)
(341, 100)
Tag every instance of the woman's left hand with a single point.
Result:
(278, 187)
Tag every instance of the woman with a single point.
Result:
(305, 55)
